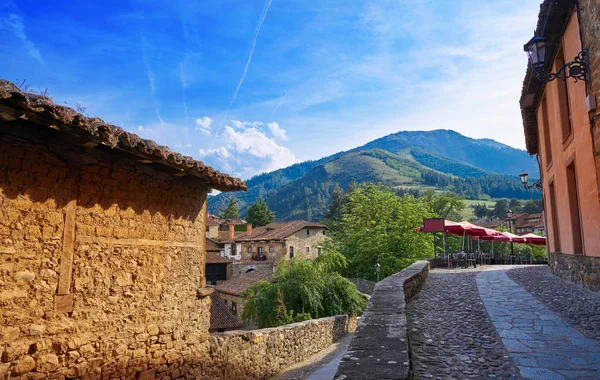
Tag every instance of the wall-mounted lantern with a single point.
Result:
(578, 68)
(525, 179)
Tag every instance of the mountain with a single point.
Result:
(404, 161)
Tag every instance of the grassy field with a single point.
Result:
(467, 212)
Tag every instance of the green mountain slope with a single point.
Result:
(405, 161)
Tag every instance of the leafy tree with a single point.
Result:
(231, 211)
(481, 211)
(500, 209)
(333, 216)
(515, 205)
(259, 214)
(379, 227)
(303, 289)
(447, 205)
(535, 206)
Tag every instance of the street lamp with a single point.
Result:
(578, 68)
(509, 215)
(525, 178)
(377, 269)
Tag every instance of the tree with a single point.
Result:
(380, 227)
(481, 211)
(446, 205)
(259, 214)
(500, 209)
(303, 289)
(535, 206)
(333, 216)
(515, 205)
(231, 211)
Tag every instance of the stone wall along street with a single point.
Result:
(579, 269)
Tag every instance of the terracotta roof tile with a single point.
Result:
(221, 317)
(238, 284)
(277, 231)
(216, 258)
(40, 110)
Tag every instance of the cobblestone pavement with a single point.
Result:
(579, 307)
(450, 332)
(539, 341)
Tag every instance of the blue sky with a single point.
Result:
(250, 86)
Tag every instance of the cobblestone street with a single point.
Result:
(479, 323)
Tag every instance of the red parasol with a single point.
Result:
(534, 239)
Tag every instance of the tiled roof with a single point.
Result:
(212, 246)
(551, 22)
(277, 231)
(213, 220)
(41, 111)
(238, 284)
(216, 258)
(221, 317)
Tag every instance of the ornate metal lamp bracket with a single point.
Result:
(576, 69)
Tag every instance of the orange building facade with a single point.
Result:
(560, 122)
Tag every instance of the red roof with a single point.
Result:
(238, 284)
(41, 111)
(215, 258)
(221, 317)
(278, 231)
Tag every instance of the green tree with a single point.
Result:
(231, 211)
(446, 205)
(534, 207)
(333, 216)
(481, 211)
(379, 227)
(500, 209)
(259, 214)
(515, 205)
(303, 289)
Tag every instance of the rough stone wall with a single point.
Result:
(300, 240)
(583, 270)
(590, 30)
(380, 349)
(125, 300)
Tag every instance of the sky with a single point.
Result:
(250, 86)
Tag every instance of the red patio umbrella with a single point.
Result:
(534, 239)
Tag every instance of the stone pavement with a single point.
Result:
(540, 343)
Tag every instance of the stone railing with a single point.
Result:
(259, 354)
(380, 349)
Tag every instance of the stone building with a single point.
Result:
(230, 291)
(102, 241)
(562, 127)
(268, 245)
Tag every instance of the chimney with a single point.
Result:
(249, 229)
(231, 231)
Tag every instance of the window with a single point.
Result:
(319, 250)
(324, 232)
(546, 129)
(307, 249)
(250, 249)
(554, 216)
(234, 307)
(291, 252)
(307, 231)
(574, 208)
(260, 251)
(271, 249)
(563, 99)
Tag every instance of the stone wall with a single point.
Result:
(300, 240)
(101, 265)
(579, 269)
(380, 349)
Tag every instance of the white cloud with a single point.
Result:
(221, 152)
(142, 129)
(203, 125)
(16, 23)
(277, 131)
(243, 124)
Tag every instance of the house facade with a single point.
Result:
(562, 127)
(102, 247)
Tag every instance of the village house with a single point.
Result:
(527, 223)
(561, 122)
(221, 317)
(268, 245)
(102, 248)
(230, 291)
